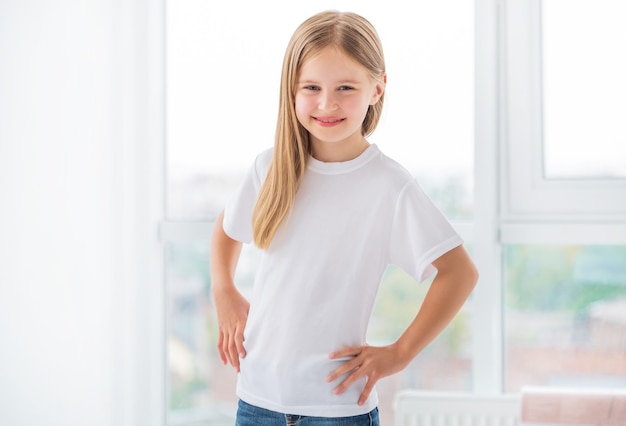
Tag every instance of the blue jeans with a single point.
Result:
(249, 415)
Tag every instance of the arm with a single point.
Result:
(232, 308)
(455, 280)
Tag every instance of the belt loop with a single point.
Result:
(291, 420)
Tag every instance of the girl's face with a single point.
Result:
(333, 93)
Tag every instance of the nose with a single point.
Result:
(327, 101)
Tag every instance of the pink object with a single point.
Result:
(573, 407)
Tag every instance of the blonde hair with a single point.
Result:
(356, 37)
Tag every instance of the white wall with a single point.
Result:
(80, 287)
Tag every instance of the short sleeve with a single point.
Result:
(238, 210)
(420, 233)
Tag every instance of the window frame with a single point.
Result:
(487, 296)
(533, 209)
(513, 202)
(527, 194)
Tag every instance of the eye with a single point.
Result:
(311, 87)
(345, 88)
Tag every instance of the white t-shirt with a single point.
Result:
(316, 284)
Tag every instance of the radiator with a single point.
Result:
(421, 408)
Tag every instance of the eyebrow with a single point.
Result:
(339, 82)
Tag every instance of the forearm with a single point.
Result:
(232, 308)
(448, 292)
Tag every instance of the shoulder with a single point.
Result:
(394, 171)
(401, 184)
(265, 156)
(262, 163)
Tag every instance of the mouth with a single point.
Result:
(328, 121)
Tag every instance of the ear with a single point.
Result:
(379, 89)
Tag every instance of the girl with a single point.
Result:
(330, 212)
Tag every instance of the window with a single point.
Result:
(563, 198)
(219, 119)
(565, 321)
(498, 149)
(564, 151)
(584, 89)
(199, 386)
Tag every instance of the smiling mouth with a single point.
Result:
(328, 121)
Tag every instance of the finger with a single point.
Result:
(347, 351)
(233, 356)
(369, 386)
(220, 347)
(353, 377)
(239, 343)
(344, 368)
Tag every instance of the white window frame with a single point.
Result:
(514, 203)
(534, 209)
(487, 306)
(527, 194)
(531, 208)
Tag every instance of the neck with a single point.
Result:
(334, 152)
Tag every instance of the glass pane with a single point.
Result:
(565, 316)
(199, 385)
(584, 88)
(218, 119)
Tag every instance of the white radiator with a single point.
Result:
(422, 408)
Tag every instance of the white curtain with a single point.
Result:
(80, 139)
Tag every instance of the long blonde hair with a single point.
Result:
(356, 37)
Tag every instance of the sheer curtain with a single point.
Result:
(79, 282)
